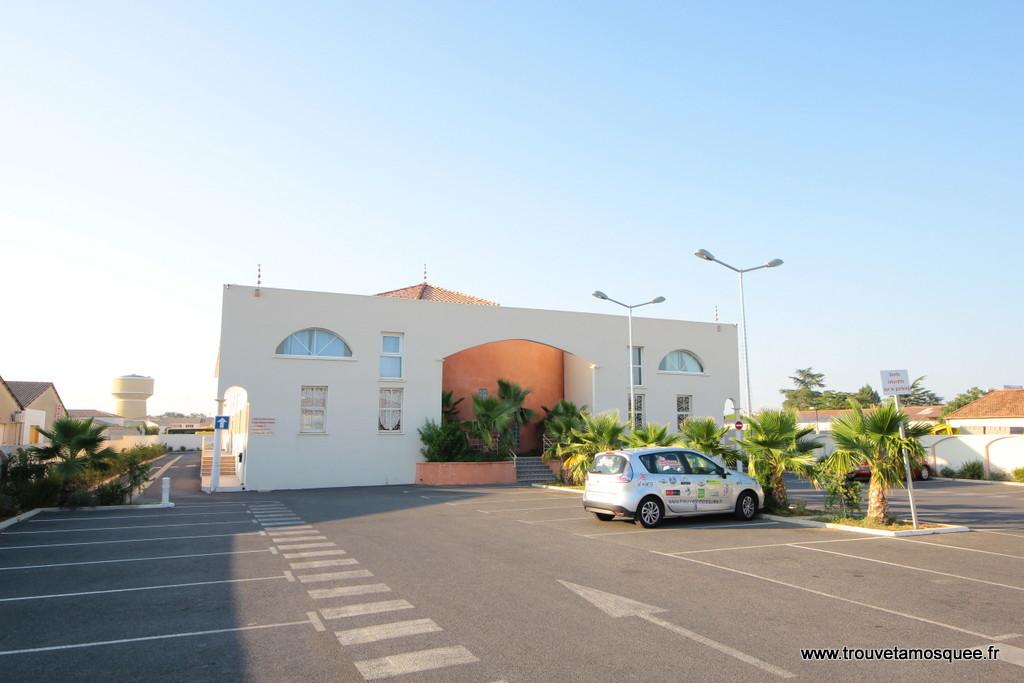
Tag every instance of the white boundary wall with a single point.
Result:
(191, 442)
(1005, 452)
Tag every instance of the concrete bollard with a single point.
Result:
(166, 493)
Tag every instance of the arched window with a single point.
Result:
(316, 342)
(680, 361)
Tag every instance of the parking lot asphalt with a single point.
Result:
(488, 584)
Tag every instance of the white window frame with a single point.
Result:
(381, 393)
(312, 409)
(641, 403)
(700, 363)
(400, 355)
(682, 415)
(636, 365)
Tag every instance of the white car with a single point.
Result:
(650, 484)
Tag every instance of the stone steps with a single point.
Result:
(532, 470)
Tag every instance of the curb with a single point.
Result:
(35, 511)
(945, 529)
(980, 481)
(555, 487)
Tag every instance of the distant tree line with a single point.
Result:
(809, 393)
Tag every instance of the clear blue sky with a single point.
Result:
(528, 153)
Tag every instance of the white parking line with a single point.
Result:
(128, 540)
(396, 629)
(317, 564)
(133, 559)
(773, 545)
(998, 533)
(553, 507)
(301, 546)
(954, 547)
(314, 553)
(202, 505)
(52, 648)
(130, 526)
(545, 521)
(140, 588)
(364, 608)
(334, 576)
(163, 515)
(291, 527)
(342, 591)
(411, 662)
(913, 568)
(830, 596)
(682, 528)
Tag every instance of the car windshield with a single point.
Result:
(608, 463)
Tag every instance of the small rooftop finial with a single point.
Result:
(716, 313)
(424, 273)
(259, 279)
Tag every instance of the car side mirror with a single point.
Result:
(722, 472)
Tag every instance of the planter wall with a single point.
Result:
(449, 473)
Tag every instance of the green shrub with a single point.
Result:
(1018, 474)
(842, 494)
(111, 493)
(39, 493)
(8, 506)
(996, 474)
(444, 442)
(80, 499)
(182, 448)
(972, 470)
(947, 472)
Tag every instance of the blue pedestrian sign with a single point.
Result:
(221, 422)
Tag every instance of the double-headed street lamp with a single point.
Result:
(774, 263)
(629, 352)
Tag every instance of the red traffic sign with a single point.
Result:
(739, 425)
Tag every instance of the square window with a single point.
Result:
(391, 367)
(391, 343)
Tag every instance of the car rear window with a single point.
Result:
(608, 463)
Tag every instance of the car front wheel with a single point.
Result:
(649, 513)
(746, 506)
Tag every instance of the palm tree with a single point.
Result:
(75, 448)
(874, 438)
(598, 434)
(652, 435)
(492, 418)
(559, 421)
(704, 435)
(776, 445)
(449, 406)
(515, 395)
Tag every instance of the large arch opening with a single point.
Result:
(550, 375)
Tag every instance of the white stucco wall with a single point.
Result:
(353, 452)
(579, 380)
(989, 424)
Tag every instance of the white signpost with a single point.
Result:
(895, 383)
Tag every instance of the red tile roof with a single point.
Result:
(998, 403)
(428, 292)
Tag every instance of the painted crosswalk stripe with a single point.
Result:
(411, 662)
(341, 591)
(297, 539)
(364, 608)
(297, 532)
(334, 576)
(320, 564)
(282, 518)
(301, 546)
(314, 553)
(289, 527)
(396, 629)
(290, 524)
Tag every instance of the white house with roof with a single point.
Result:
(328, 389)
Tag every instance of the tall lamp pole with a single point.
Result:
(629, 351)
(774, 263)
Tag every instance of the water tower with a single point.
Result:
(130, 394)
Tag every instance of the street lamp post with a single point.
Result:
(774, 263)
(631, 410)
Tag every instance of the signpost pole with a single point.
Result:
(217, 442)
(906, 466)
